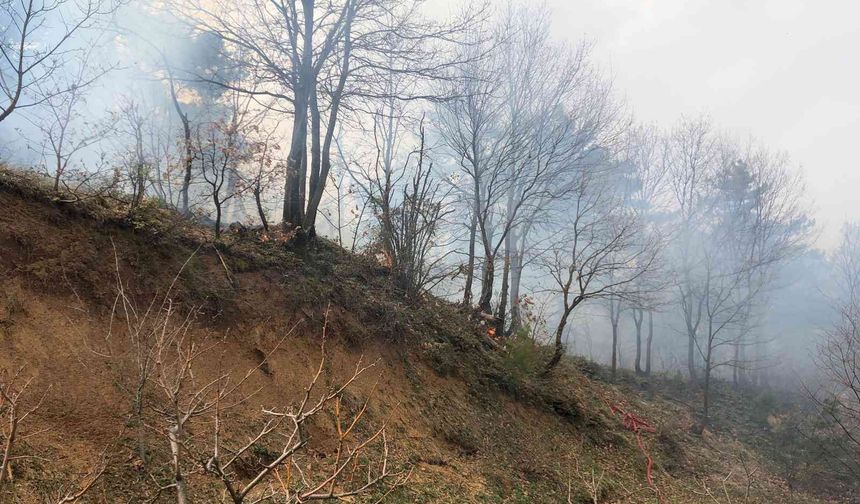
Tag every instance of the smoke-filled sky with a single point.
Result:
(784, 71)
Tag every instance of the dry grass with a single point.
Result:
(473, 427)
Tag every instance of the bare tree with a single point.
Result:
(722, 301)
(191, 101)
(380, 182)
(690, 155)
(262, 168)
(314, 57)
(600, 253)
(769, 198)
(748, 223)
(846, 265)
(176, 394)
(187, 398)
(839, 360)
(616, 307)
(410, 205)
(838, 357)
(222, 147)
(412, 229)
(348, 212)
(519, 127)
(650, 300)
(339, 477)
(173, 354)
(16, 406)
(137, 159)
(471, 126)
(39, 39)
(187, 141)
(66, 131)
(647, 194)
(150, 163)
(143, 327)
(562, 118)
(12, 392)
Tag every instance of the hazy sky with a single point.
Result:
(785, 71)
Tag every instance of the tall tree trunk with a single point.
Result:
(614, 315)
(139, 186)
(760, 375)
(318, 180)
(175, 434)
(691, 356)
(736, 350)
(487, 278)
(614, 347)
(294, 182)
(742, 348)
(58, 172)
(302, 188)
(217, 217)
(648, 343)
(260, 210)
(316, 132)
(506, 265)
(503, 297)
(6, 464)
(638, 317)
(558, 353)
(706, 395)
(188, 161)
(189, 165)
(739, 344)
(692, 329)
(470, 263)
(516, 255)
(294, 185)
(314, 182)
(706, 388)
(516, 276)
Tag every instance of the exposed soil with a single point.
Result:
(471, 429)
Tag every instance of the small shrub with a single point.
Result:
(462, 437)
(522, 357)
(763, 408)
(671, 449)
(441, 358)
(588, 368)
(13, 305)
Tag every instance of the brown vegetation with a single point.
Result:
(472, 422)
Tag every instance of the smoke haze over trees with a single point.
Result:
(474, 155)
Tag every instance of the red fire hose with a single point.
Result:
(638, 425)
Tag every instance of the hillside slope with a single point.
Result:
(472, 422)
